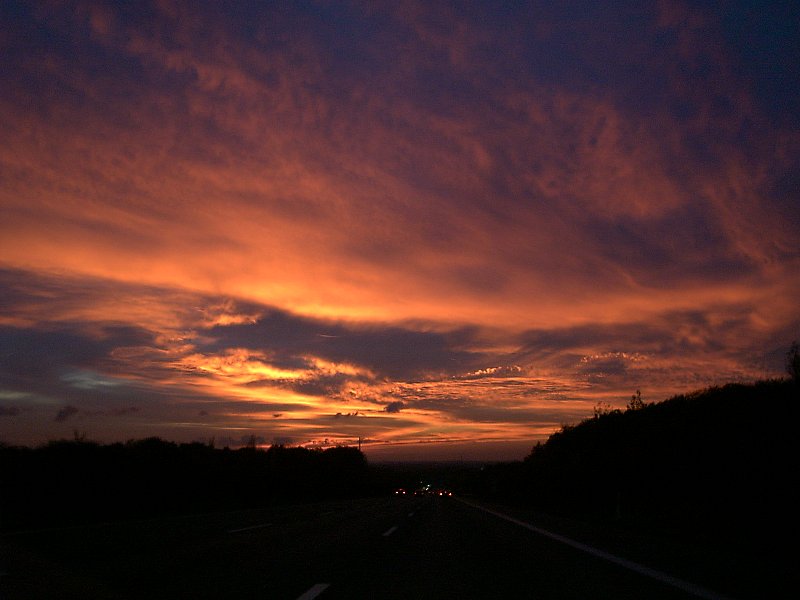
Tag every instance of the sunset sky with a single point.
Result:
(446, 229)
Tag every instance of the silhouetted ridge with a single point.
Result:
(78, 481)
(696, 463)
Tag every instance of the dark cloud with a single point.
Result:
(65, 413)
(483, 408)
(388, 350)
(46, 353)
(285, 440)
(56, 336)
(349, 415)
(9, 411)
(605, 365)
(73, 362)
(668, 334)
(394, 407)
(324, 385)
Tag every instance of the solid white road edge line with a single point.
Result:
(314, 591)
(622, 562)
(390, 531)
(249, 528)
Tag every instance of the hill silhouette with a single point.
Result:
(715, 467)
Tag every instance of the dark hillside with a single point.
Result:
(704, 482)
(717, 464)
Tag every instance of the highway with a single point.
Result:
(414, 547)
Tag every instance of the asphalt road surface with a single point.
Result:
(416, 547)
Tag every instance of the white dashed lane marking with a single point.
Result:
(314, 591)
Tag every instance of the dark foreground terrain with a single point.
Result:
(691, 497)
(390, 547)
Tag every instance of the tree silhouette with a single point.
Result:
(793, 362)
(636, 402)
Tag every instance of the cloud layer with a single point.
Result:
(401, 223)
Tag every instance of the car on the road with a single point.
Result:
(425, 490)
(428, 490)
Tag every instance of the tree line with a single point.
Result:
(80, 481)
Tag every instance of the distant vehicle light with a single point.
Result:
(399, 492)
